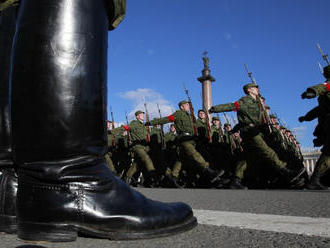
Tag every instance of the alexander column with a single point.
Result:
(206, 79)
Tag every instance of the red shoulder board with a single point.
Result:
(327, 86)
(126, 127)
(170, 118)
(236, 106)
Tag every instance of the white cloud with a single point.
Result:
(152, 98)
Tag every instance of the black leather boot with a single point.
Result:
(151, 179)
(8, 181)
(314, 183)
(59, 132)
(8, 192)
(236, 184)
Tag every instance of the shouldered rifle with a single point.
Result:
(324, 56)
(147, 120)
(207, 120)
(282, 135)
(129, 140)
(220, 129)
(209, 136)
(265, 117)
(113, 128)
(162, 135)
(193, 117)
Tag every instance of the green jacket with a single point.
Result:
(116, 10)
(138, 131)
(155, 135)
(202, 128)
(249, 113)
(216, 136)
(170, 140)
(323, 93)
(182, 120)
(322, 111)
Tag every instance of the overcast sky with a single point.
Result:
(159, 46)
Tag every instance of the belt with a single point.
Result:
(185, 134)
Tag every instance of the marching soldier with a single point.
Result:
(322, 112)
(184, 127)
(237, 159)
(140, 148)
(249, 114)
(174, 164)
(111, 148)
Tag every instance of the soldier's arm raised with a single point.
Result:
(316, 90)
(224, 107)
(162, 121)
(311, 115)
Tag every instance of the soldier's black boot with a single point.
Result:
(59, 132)
(170, 182)
(236, 184)
(212, 175)
(151, 179)
(8, 192)
(314, 183)
(8, 181)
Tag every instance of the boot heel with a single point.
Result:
(8, 224)
(46, 232)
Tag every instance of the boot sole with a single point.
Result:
(39, 232)
(8, 224)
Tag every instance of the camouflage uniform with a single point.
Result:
(322, 112)
(140, 148)
(250, 118)
(186, 139)
(174, 164)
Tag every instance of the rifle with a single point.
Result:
(129, 140)
(191, 110)
(220, 129)
(282, 135)
(324, 56)
(162, 135)
(147, 120)
(113, 128)
(208, 127)
(265, 116)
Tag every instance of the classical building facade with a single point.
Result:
(310, 158)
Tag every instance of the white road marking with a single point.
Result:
(308, 226)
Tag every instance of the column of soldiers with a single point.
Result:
(252, 154)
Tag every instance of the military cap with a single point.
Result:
(201, 110)
(326, 72)
(182, 102)
(249, 85)
(272, 116)
(138, 112)
(215, 118)
(227, 124)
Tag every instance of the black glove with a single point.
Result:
(301, 118)
(211, 110)
(308, 95)
(148, 123)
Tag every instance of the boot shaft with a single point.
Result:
(58, 92)
(7, 30)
